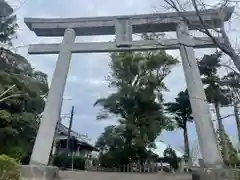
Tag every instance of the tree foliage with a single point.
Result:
(170, 154)
(111, 139)
(9, 168)
(114, 152)
(233, 84)
(232, 152)
(19, 114)
(21, 90)
(181, 112)
(137, 102)
(217, 94)
(8, 23)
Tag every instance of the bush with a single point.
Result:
(14, 152)
(173, 161)
(64, 161)
(9, 168)
(171, 157)
(25, 160)
(114, 158)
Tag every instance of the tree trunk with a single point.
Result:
(186, 146)
(236, 113)
(221, 132)
(186, 141)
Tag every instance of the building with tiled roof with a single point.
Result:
(79, 144)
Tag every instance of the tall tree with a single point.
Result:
(216, 94)
(181, 111)
(138, 80)
(170, 154)
(21, 90)
(233, 79)
(8, 23)
(19, 114)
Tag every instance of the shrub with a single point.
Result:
(14, 152)
(64, 161)
(26, 159)
(9, 168)
(171, 157)
(79, 163)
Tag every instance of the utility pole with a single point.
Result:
(70, 129)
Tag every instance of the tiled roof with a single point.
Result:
(63, 129)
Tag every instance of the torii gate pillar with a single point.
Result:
(54, 101)
(198, 100)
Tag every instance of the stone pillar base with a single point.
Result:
(211, 173)
(38, 172)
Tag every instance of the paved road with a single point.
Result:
(82, 175)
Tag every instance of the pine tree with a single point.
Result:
(181, 111)
(217, 94)
(231, 150)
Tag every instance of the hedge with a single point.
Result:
(26, 159)
(65, 162)
(9, 168)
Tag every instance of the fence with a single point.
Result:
(216, 174)
(231, 172)
(142, 168)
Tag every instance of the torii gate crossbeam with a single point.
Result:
(141, 45)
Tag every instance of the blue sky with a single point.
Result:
(86, 82)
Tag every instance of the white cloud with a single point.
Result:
(89, 81)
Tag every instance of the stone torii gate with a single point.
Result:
(123, 27)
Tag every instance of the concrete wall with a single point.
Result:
(81, 175)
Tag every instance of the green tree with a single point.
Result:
(232, 152)
(111, 143)
(19, 114)
(21, 90)
(111, 139)
(114, 153)
(8, 23)
(216, 94)
(232, 80)
(138, 81)
(170, 154)
(181, 112)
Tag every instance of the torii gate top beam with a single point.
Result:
(161, 22)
